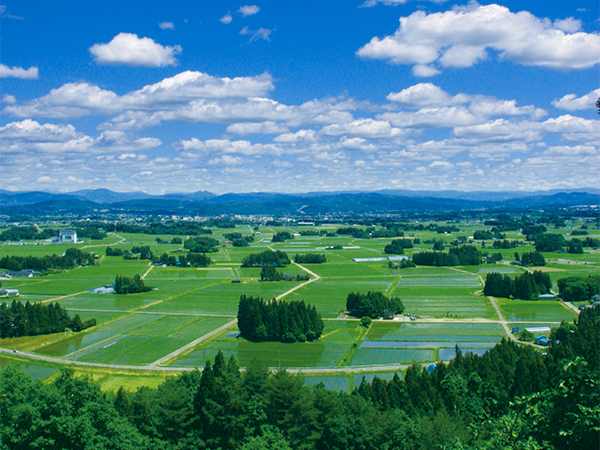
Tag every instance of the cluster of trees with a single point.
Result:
(579, 288)
(403, 264)
(282, 236)
(128, 285)
(175, 240)
(310, 258)
(278, 320)
(355, 232)
(493, 258)
(397, 246)
(512, 397)
(483, 235)
(72, 257)
(535, 259)
(505, 244)
(266, 258)
(238, 240)
(178, 228)
(466, 255)
(269, 273)
(185, 260)
(373, 304)
(32, 319)
(201, 245)
(28, 232)
(387, 233)
(527, 286)
(549, 242)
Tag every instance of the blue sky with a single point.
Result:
(299, 96)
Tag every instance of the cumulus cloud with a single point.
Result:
(451, 116)
(571, 102)
(248, 10)
(461, 37)
(299, 136)
(18, 72)
(166, 26)
(131, 50)
(9, 99)
(363, 127)
(226, 19)
(78, 99)
(370, 3)
(424, 95)
(424, 71)
(195, 147)
(256, 128)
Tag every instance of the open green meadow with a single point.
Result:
(187, 314)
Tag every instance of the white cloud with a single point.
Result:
(568, 25)
(432, 117)
(501, 130)
(424, 95)
(227, 159)
(299, 136)
(78, 99)
(441, 165)
(226, 19)
(9, 99)
(424, 71)
(363, 127)
(18, 72)
(571, 102)
(255, 128)
(248, 10)
(195, 147)
(131, 50)
(261, 33)
(166, 26)
(32, 131)
(370, 3)
(459, 38)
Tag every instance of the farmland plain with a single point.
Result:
(187, 304)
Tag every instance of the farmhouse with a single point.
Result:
(9, 292)
(27, 273)
(541, 340)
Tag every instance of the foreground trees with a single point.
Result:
(512, 397)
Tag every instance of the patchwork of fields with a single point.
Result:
(188, 303)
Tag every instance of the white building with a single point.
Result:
(67, 236)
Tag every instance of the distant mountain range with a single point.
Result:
(90, 202)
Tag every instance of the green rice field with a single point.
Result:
(188, 305)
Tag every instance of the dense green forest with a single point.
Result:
(310, 258)
(32, 319)
(73, 257)
(578, 289)
(397, 246)
(278, 320)
(466, 255)
(527, 286)
(372, 304)
(128, 285)
(268, 257)
(511, 398)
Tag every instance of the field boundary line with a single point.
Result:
(195, 342)
(175, 296)
(393, 285)
(148, 271)
(55, 299)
